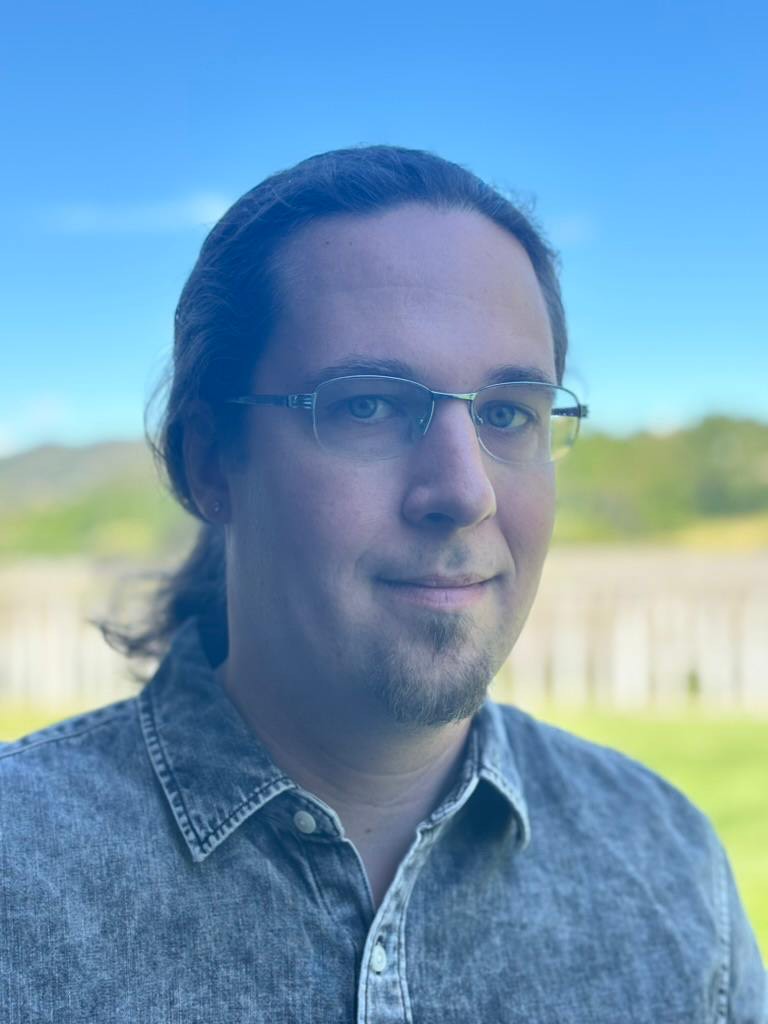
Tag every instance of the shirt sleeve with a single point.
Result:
(746, 992)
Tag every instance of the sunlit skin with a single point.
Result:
(347, 680)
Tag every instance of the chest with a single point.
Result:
(272, 931)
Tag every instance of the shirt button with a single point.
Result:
(378, 958)
(304, 822)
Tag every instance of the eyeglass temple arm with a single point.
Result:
(292, 401)
(581, 411)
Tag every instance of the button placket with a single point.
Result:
(383, 992)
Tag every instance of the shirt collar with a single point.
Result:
(489, 765)
(215, 773)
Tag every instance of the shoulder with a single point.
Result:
(70, 748)
(604, 792)
(66, 791)
(606, 821)
(634, 839)
(553, 757)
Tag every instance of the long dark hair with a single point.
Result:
(227, 310)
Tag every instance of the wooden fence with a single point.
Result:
(642, 627)
(621, 628)
(50, 655)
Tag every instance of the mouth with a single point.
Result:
(446, 582)
(440, 592)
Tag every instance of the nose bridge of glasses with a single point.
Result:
(467, 398)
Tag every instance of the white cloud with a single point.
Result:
(160, 216)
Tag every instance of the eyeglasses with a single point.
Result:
(372, 417)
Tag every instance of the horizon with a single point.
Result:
(585, 432)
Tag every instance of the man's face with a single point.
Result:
(320, 543)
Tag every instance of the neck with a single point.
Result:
(380, 777)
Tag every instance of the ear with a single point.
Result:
(205, 466)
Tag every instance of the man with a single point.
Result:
(312, 812)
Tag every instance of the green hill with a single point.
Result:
(653, 486)
(704, 484)
(101, 500)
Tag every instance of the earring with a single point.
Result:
(216, 508)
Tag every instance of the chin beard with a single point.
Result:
(436, 677)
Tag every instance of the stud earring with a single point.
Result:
(216, 507)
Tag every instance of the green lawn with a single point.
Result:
(720, 763)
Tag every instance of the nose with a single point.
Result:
(448, 482)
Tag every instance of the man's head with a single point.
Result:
(372, 254)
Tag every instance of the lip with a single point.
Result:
(442, 593)
(449, 582)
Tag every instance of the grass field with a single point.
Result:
(720, 763)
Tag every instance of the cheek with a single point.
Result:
(316, 514)
(527, 514)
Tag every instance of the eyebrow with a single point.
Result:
(397, 368)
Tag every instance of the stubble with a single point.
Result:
(437, 672)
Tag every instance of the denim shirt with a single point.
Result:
(156, 867)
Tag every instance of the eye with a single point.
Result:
(369, 407)
(506, 416)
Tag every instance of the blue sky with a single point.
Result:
(639, 130)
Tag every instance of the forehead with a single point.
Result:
(445, 290)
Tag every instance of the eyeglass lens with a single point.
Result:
(378, 418)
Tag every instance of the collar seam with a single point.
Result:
(248, 807)
(173, 792)
(494, 774)
(164, 772)
(448, 810)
